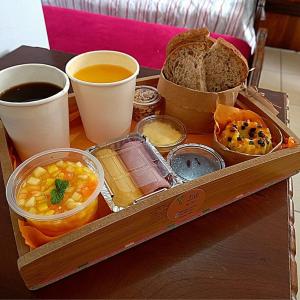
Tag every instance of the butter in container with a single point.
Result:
(147, 102)
(164, 132)
(133, 169)
(190, 161)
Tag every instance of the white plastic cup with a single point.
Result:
(105, 108)
(37, 125)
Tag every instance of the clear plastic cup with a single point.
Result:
(39, 125)
(56, 224)
(105, 108)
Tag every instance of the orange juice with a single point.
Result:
(102, 73)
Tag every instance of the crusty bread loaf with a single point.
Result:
(225, 67)
(184, 66)
(187, 37)
(197, 61)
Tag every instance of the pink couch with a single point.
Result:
(76, 32)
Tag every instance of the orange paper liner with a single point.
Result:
(35, 238)
(289, 142)
(225, 114)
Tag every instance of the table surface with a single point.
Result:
(243, 250)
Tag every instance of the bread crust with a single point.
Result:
(187, 37)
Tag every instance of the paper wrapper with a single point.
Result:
(225, 114)
(194, 108)
(34, 237)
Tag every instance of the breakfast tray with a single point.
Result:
(156, 214)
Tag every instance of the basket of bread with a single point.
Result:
(198, 73)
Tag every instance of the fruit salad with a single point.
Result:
(56, 188)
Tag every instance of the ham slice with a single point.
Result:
(142, 168)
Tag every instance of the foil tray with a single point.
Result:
(164, 168)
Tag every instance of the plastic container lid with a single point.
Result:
(48, 157)
(190, 161)
(163, 131)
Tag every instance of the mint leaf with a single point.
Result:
(57, 194)
(61, 185)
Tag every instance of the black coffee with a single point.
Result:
(31, 91)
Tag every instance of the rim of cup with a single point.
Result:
(102, 83)
(42, 101)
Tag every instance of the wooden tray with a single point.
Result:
(117, 232)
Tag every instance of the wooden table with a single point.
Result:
(244, 250)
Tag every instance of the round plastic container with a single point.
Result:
(164, 132)
(190, 161)
(56, 224)
(146, 102)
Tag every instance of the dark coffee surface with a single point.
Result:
(31, 91)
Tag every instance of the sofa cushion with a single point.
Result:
(77, 32)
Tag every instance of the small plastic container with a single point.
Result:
(147, 102)
(190, 161)
(164, 132)
(56, 224)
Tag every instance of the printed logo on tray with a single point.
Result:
(186, 206)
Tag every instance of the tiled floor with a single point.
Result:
(281, 72)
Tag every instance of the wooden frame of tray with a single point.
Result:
(108, 236)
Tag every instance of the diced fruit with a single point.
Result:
(39, 171)
(36, 193)
(50, 181)
(60, 164)
(69, 176)
(52, 169)
(84, 177)
(79, 164)
(70, 189)
(42, 207)
(49, 212)
(33, 181)
(30, 202)
(76, 196)
(54, 174)
(70, 169)
(32, 210)
(70, 203)
(31, 188)
(41, 198)
(78, 170)
(61, 175)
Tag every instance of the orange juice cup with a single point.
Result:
(105, 108)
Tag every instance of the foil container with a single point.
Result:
(191, 161)
(163, 167)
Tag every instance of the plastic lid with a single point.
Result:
(162, 131)
(190, 161)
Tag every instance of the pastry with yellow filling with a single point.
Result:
(249, 137)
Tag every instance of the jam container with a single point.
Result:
(164, 132)
(190, 161)
(147, 102)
